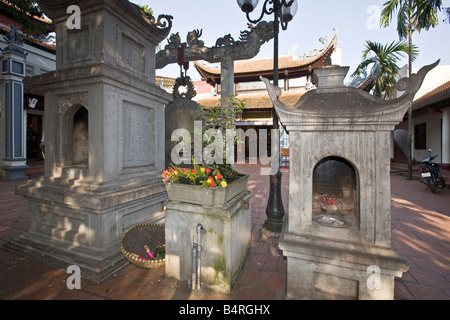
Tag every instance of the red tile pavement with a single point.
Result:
(420, 232)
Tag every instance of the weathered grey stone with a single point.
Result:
(104, 141)
(226, 239)
(336, 122)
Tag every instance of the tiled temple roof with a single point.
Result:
(251, 70)
(256, 100)
(439, 97)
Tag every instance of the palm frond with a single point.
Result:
(426, 13)
(388, 56)
(389, 8)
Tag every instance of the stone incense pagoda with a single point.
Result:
(104, 136)
(337, 237)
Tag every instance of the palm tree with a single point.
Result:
(425, 8)
(388, 56)
(412, 15)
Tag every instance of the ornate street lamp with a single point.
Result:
(283, 11)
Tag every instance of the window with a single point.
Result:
(420, 136)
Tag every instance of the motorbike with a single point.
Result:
(431, 173)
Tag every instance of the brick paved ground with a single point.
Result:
(420, 232)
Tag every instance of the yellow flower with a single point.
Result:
(202, 170)
(223, 184)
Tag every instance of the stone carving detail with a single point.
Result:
(366, 81)
(192, 39)
(309, 54)
(79, 44)
(14, 36)
(14, 41)
(174, 41)
(185, 81)
(139, 133)
(67, 101)
(133, 53)
(227, 40)
(316, 51)
(261, 33)
(246, 47)
(164, 21)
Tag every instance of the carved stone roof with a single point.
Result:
(251, 70)
(56, 10)
(439, 97)
(337, 107)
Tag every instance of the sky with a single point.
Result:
(355, 20)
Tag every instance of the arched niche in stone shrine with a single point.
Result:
(80, 137)
(75, 142)
(336, 189)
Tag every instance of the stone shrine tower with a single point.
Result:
(337, 237)
(104, 136)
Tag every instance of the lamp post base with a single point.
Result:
(275, 209)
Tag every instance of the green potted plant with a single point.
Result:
(211, 184)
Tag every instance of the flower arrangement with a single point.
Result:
(205, 177)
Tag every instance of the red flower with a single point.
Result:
(219, 176)
(212, 185)
(193, 171)
(208, 171)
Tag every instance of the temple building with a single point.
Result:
(431, 121)
(21, 110)
(295, 73)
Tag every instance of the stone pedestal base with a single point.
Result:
(14, 172)
(225, 241)
(327, 269)
(81, 224)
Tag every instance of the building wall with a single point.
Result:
(38, 61)
(433, 123)
(433, 136)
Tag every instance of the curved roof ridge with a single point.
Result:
(249, 70)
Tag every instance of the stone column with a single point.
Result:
(446, 137)
(227, 77)
(13, 153)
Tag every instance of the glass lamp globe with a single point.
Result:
(288, 13)
(247, 5)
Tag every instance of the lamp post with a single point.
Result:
(283, 11)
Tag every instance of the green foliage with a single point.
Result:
(223, 117)
(23, 12)
(388, 56)
(412, 15)
(147, 9)
(160, 252)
